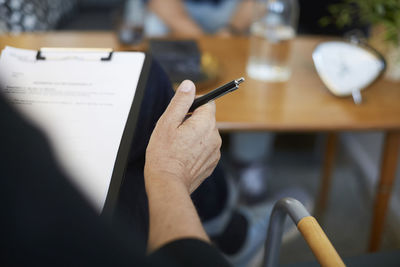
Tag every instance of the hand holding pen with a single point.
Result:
(216, 93)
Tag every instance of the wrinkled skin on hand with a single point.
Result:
(185, 150)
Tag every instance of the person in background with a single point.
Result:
(197, 17)
(226, 17)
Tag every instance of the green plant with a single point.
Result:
(367, 12)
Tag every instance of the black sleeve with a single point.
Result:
(190, 252)
(45, 221)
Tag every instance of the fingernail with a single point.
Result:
(186, 86)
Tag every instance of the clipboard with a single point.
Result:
(126, 142)
(129, 130)
(109, 51)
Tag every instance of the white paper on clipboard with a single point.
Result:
(80, 103)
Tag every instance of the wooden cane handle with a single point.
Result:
(319, 242)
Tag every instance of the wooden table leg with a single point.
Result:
(384, 188)
(326, 179)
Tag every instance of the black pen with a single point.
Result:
(214, 94)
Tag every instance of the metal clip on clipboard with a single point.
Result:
(73, 53)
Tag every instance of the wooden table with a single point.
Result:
(302, 104)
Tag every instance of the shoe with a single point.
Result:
(242, 242)
(253, 183)
(255, 236)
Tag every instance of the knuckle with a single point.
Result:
(218, 140)
(218, 156)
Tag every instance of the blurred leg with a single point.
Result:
(211, 196)
(154, 26)
(249, 151)
(209, 16)
(212, 17)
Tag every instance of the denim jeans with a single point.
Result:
(208, 16)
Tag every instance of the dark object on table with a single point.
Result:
(130, 35)
(180, 59)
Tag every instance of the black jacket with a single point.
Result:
(45, 221)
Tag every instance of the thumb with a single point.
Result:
(181, 102)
